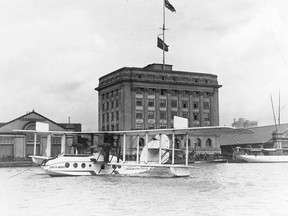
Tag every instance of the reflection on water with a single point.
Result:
(212, 189)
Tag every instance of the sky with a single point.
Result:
(52, 53)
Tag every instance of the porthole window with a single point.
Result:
(90, 165)
(83, 165)
(75, 165)
(67, 165)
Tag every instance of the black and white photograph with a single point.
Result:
(141, 108)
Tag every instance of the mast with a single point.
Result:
(164, 46)
(279, 109)
(163, 29)
(273, 113)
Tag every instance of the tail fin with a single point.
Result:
(150, 152)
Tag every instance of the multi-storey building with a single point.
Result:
(242, 123)
(149, 98)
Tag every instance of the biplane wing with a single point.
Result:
(191, 130)
(178, 131)
(158, 148)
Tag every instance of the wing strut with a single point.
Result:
(173, 147)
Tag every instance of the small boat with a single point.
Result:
(262, 155)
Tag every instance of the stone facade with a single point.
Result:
(148, 98)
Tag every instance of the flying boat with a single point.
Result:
(107, 155)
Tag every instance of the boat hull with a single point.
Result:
(264, 158)
(86, 165)
(180, 171)
(38, 159)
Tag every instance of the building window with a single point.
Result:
(209, 143)
(185, 114)
(112, 116)
(185, 104)
(139, 115)
(141, 142)
(117, 103)
(163, 92)
(112, 104)
(198, 142)
(173, 113)
(206, 117)
(162, 126)
(174, 93)
(196, 116)
(56, 140)
(195, 105)
(163, 115)
(117, 115)
(206, 105)
(107, 105)
(151, 103)
(103, 106)
(162, 103)
(174, 103)
(185, 93)
(103, 118)
(107, 117)
(139, 102)
(151, 91)
(138, 91)
(151, 115)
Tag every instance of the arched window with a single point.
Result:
(209, 143)
(189, 143)
(30, 126)
(198, 142)
(30, 136)
(177, 144)
(141, 142)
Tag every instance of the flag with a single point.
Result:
(162, 45)
(169, 6)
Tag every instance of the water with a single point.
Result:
(212, 189)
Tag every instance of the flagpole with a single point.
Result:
(163, 34)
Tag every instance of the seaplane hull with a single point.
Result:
(87, 165)
(180, 171)
(76, 165)
(38, 159)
